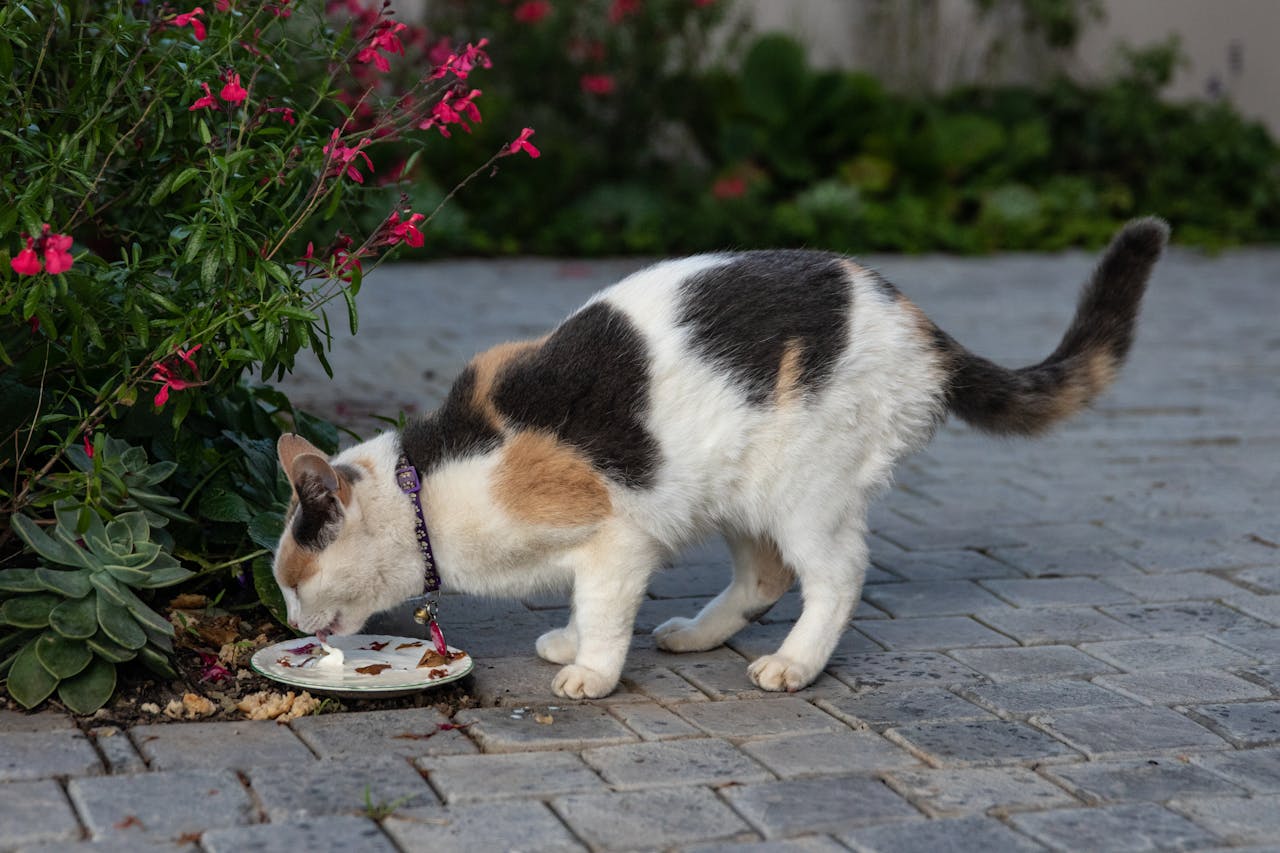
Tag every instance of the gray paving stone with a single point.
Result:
(1033, 662)
(691, 581)
(932, 598)
(316, 833)
(651, 818)
(645, 654)
(828, 753)
(1042, 625)
(1236, 819)
(331, 786)
(407, 732)
(572, 727)
(662, 684)
(889, 707)
(1166, 654)
(1265, 578)
(1187, 586)
(654, 611)
(704, 761)
(1020, 698)
(808, 844)
(1114, 829)
(522, 825)
(1263, 607)
(1142, 780)
(117, 750)
(979, 743)
(46, 753)
(943, 793)
(818, 804)
(1182, 688)
(130, 843)
(1260, 643)
(654, 722)
(168, 803)
(1071, 561)
(760, 639)
(1256, 769)
(1245, 724)
(14, 722)
(931, 633)
(1182, 555)
(957, 835)
(31, 812)
(931, 538)
(729, 680)
(1115, 732)
(901, 670)
(465, 778)
(526, 680)
(748, 718)
(1183, 618)
(236, 746)
(1057, 592)
(945, 566)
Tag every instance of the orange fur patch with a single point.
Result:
(488, 365)
(787, 387)
(542, 481)
(296, 564)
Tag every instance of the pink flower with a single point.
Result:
(188, 360)
(341, 157)
(57, 258)
(522, 143)
(88, 446)
(598, 84)
(461, 65)
(385, 39)
(730, 186)
(233, 92)
(211, 668)
(286, 114)
(532, 11)
(222, 5)
(166, 374)
(406, 231)
(27, 262)
(205, 101)
(197, 26)
(622, 9)
(450, 110)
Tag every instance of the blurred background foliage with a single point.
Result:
(666, 127)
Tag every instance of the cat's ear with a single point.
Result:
(290, 447)
(314, 478)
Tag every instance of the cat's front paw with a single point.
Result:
(579, 682)
(777, 673)
(558, 646)
(679, 634)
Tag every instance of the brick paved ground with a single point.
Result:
(1071, 644)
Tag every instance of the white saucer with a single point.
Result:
(293, 662)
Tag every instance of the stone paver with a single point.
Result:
(32, 812)
(168, 803)
(979, 743)
(808, 844)
(1128, 731)
(975, 790)
(818, 804)
(237, 746)
(1009, 580)
(317, 833)
(941, 836)
(465, 778)
(568, 727)
(42, 754)
(333, 786)
(828, 753)
(481, 828)
(1114, 829)
(649, 819)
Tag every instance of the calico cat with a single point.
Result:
(762, 395)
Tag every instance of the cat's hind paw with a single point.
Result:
(777, 673)
(579, 682)
(558, 646)
(679, 634)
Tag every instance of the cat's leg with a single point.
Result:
(831, 571)
(608, 586)
(759, 579)
(559, 645)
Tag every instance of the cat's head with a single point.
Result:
(342, 557)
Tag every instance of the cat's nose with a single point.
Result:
(293, 623)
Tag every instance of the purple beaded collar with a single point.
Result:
(409, 482)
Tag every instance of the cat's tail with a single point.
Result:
(1029, 400)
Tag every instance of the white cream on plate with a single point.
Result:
(332, 658)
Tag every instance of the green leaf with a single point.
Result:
(353, 318)
(61, 656)
(265, 529)
(91, 689)
(71, 583)
(168, 576)
(53, 550)
(75, 619)
(20, 580)
(264, 582)
(118, 624)
(126, 575)
(108, 649)
(29, 682)
(209, 268)
(156, 661)
(29, 611)
(107, 586)
(150, 620)
(218, 504)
